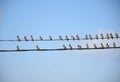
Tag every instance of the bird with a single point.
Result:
(77, 37)
(18, 48)
(114, 45)
(50, 37)
(94, 45)
(79, 46)
(60, 37)
(116, 35)
(101, 36)
(70, 46)
(41, 38)
(86, 37)
(73, 38)
(90, 37)
(18, 38)
(102, 45)
(111, 36)
(64, 46)
(96, 36)
(25, 38)
(87, 46)
(107, 45)
(67, 38)
(37, 47)
(107, 36)
(31, 37)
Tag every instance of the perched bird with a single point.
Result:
(41, 38)
(50, 37)
(77, 37)
(79, 46)
(18, 38)
(87, 46)
(90, 37)
(73, 38)
(114, 45)
(107, 36)
(37, 47)
(60, 37)
(111, 36)
(64, 46)
(67, 38)
(94, 45)
(101, 36)
(25, 38)
(70, 46)
(96, 36)
(86, 37)
(107, 45)
(116, 35)
(18, 48)
(102, 45)
(31, 37)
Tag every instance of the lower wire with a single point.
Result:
(60, 49)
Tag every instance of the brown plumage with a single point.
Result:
(107, 45)
(79, 46)
(94, 45)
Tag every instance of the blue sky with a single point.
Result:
(58, 17)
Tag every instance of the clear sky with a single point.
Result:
(58, 17)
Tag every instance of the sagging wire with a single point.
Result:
(70, 47)
(60, 38)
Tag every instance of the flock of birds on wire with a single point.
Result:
(78, 47)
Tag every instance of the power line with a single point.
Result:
(79, 47)
(61, 49)
(66, 38)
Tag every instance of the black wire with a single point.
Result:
(61, 49)
(59, 39)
